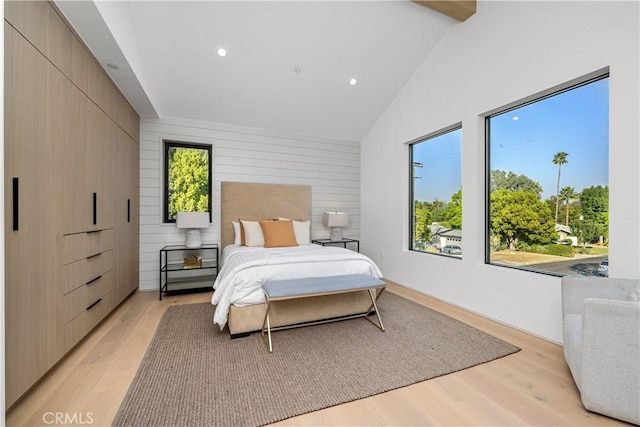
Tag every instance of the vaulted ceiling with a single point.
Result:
(289, 63)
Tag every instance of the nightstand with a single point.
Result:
(343, 242)
(184, 269)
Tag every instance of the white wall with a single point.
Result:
(506, 52)
(331, 167)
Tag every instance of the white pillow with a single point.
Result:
(237, 237)
(252, 233)
(302, 230)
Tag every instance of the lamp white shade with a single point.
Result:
(335, 220)
(193, 221)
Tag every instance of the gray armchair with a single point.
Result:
(601, 326)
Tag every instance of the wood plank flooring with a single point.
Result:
(531, 387)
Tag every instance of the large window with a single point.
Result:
(547, 179)
(436, 193)
(187, 179)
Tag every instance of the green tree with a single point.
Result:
(438, 212)
(559, 159)
(567, 194)
(520, 216)
(453, 211)
(501, 180)
(595, 212)
(188, 181)
(421, 221)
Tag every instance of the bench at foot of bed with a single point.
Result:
(281, 290)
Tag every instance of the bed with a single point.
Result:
(238, 296)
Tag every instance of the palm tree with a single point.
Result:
(567, 193)
(559, 159)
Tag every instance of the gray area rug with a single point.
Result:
(195, 375)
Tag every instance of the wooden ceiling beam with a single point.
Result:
(456, 9)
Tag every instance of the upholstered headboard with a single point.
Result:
(260, 201)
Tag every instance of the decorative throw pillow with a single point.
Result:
(251, 233)
(237, 235)
(302, 230)
(278, 234)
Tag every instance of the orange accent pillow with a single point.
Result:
(278, 234)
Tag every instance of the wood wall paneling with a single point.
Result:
(33, 342)
(9, 11)
(69, 133)
(80, 63)
(126, 218)
(9, 34)
(43, 27)
(76, 151)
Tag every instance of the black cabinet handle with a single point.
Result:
(95, 208)
(94, 255)
(128, 210)
(94, 304)
(93, 280)
(16, 204)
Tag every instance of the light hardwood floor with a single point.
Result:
(531, 387)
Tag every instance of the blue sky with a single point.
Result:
(440, 175)
(525, 140)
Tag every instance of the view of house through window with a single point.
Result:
(548, 182)
(436, 193)
(187, 175)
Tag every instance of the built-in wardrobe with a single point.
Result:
(71, 158)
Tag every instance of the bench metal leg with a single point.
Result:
(375, 306)
(266, 325)
(268, 328)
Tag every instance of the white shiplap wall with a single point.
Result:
(241, 154)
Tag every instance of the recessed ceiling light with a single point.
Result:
(222, 52)
(515, 118)
(297, 69)
(113, 66)
(353, 82)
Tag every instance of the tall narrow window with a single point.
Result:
(436, 193)
(187, 173)
(547, 179)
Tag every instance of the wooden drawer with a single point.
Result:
(83, 323)
(83, 245)
(84, 270)
(77, 301)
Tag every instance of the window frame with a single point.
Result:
(168, 145)
(532, 99)
(411, 144)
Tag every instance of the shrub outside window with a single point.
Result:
(547, 180)
(187, 179)
(436, 193)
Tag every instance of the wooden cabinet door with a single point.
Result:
(100, 174)
(33, 330)
(76, 195)
(126, 218)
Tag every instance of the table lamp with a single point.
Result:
(335, 220)
(193, 221)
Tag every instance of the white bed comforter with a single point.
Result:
(245, 270)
